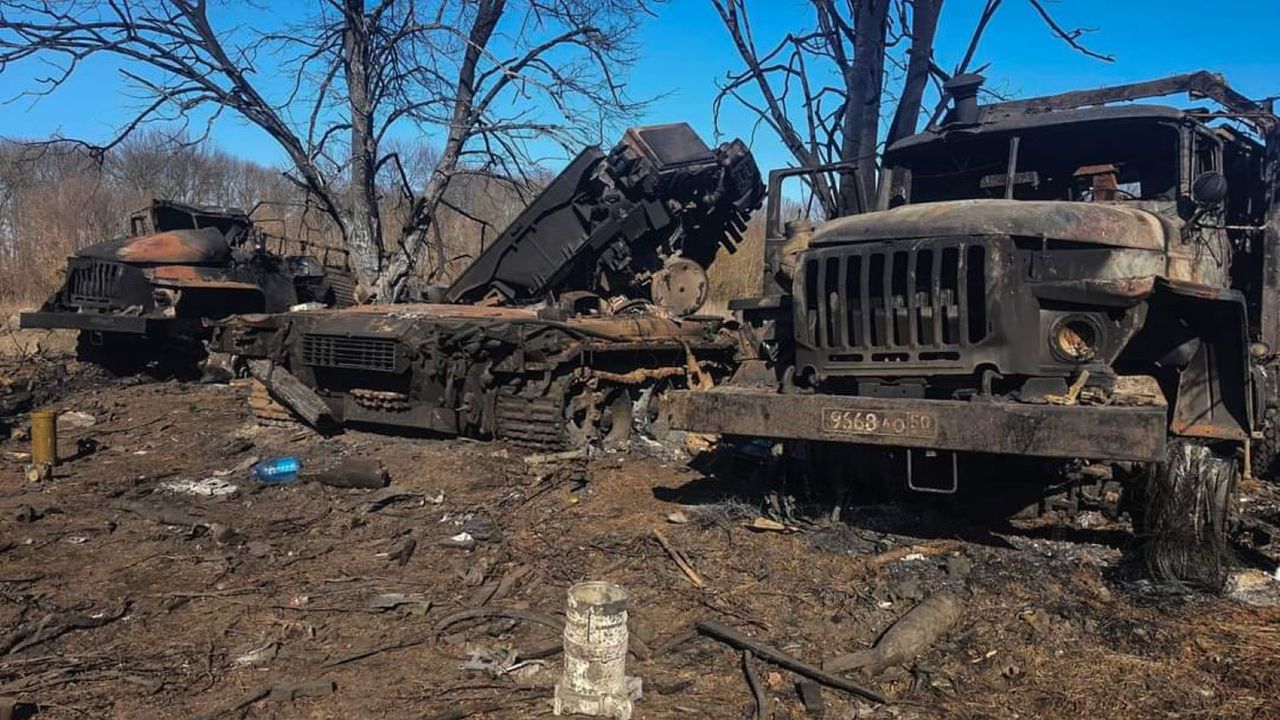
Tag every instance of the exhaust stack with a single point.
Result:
(964, 93)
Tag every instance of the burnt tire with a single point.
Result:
(1188, 511)
(1264, 453)
(858, 474)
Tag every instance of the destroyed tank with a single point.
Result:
(146, 296)
(567, 330)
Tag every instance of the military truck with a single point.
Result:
(566, 331)
(1076, 277)
(146, 296)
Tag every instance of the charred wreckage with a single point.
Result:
(1067, 277)
(148, 295)
(1076, 280)
(564, 331)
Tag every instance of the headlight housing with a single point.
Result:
(1075, 338)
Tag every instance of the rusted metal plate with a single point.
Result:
(1102, 433)
(644, 330)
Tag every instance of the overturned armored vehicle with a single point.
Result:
(568, 329)
(147, 295)
(1055, 278)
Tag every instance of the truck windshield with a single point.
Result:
(1097, 161)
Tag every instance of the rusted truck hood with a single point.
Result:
(206, 246)
(1111, 225)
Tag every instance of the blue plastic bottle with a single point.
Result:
(277, 470)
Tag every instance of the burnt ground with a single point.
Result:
(121, 595)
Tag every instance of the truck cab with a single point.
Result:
(1015, 252)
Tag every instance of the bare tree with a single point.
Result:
(822, 89)
(490, 80)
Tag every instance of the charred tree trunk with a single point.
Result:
(363, 231)
(864, 79)
(924, 25)
(462, 127)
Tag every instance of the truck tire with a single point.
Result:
(843, 472)
(1265, 452)
(118, 354)
(1187, 515)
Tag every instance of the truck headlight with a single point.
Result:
(1075, 338)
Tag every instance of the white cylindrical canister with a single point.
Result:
(595, 653)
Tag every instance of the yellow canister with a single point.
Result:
(44, 438)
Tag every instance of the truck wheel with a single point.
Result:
(1188, 511)
(117, 354)
(845, 472)
(1265, 452)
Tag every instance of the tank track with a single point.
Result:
(266, 411)
(532, 422)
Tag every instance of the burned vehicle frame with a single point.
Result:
(147, 296)
(567, 330)
(507, 373)
(1059, 278)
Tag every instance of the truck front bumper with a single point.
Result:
(1093, 432)
(127, 325)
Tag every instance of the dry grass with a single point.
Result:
(738, 274)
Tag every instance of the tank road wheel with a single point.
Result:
(1265, 451)
(602, 416)
(648, 415)
(1189, 510)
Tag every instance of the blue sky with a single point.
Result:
(684, 50)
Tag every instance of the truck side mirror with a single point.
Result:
(1209, 188)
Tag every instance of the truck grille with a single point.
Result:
(883, 304)
(354, 353)
(94, 283)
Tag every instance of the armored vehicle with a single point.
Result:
(1068, 277)
(567, 330)
(147, 295)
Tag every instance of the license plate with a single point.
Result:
(889, 423)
